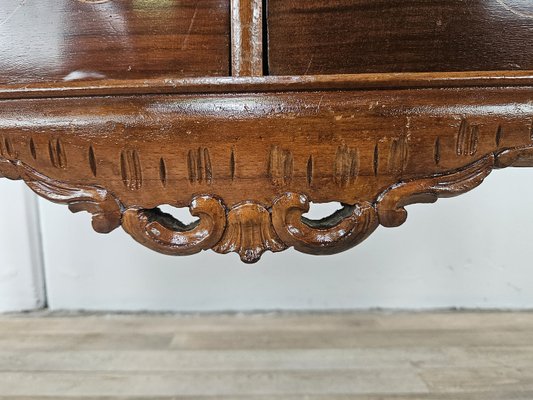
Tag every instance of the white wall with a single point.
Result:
(472, 251)
(21, 283)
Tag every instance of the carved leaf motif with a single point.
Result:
(391, 204)
(249, 232)
(163, 233)
(97, 201)
(338, 232)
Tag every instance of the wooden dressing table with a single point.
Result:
(247, 110)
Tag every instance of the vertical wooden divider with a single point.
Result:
(247, 37)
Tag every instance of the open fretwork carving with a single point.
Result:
(250, 228)
(340, 231)
(250, 170)
(163, 233)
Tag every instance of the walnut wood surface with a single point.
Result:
(249, 153)
(256, 160)
(247, 37)
(58, 40)
(335, 146)
(268, 84)
(356, 36)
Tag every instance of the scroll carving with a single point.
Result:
(251, 183)
(338, 232)
(249, 228)
(99, 202)
(163, 233)
(516, 157)
(391, 204)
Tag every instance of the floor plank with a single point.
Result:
(334, 356)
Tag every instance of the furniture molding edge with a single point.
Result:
(249, 165)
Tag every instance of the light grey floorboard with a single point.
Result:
(335, 356)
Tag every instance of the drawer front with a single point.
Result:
(357, 36)
(63, 40)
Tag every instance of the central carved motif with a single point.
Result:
(249, 232)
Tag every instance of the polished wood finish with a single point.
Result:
(267, 84)
(249, 153)
(343, 145)
(358, 36)
(247, 37)
(375, 151)
(66, 40)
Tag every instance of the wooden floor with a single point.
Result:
(362, 356)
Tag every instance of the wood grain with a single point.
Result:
(339, 356)
(118, 107)
(70, 40)
(375, 151)
(247, 37)
(267, 84)
(128, 149)
(358, 36)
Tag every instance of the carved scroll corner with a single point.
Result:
(338, 232)
(249, 232)
(391, 203)
(104, 207)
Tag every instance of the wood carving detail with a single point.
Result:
(163, 233)
(515, 157)
(249, 232)
(280, 166)
(199, 165)
(346, 166)
(251, 191)
(467, 139)
(104, 207)
(250, 229)
(391, 204)
(130, 169)
(338, 232)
